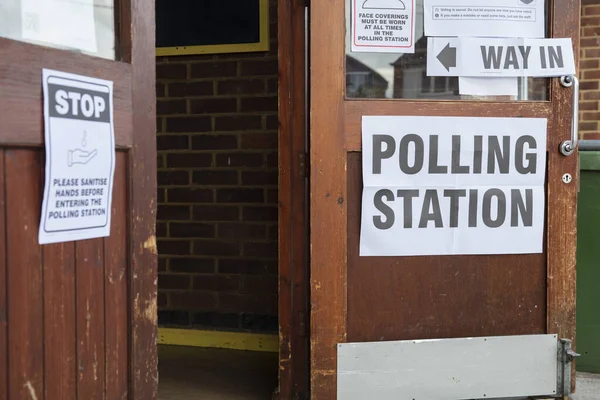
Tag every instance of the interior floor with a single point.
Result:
(215, 374)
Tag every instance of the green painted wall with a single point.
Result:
(588, 265)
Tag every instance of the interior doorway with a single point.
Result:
(231, 223)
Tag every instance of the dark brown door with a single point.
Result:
(360, 299)
(293, 201)
(77, 319)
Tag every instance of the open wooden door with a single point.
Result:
(77, 319)
(370, 299)
(293, 187)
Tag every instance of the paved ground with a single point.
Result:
(189, 373)
(588, 387)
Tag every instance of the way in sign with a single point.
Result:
(490, 57)
(495, 58)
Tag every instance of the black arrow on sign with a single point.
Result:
(448, 57)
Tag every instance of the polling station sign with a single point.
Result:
(80, 157)
(452, 185)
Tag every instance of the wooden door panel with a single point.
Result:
(60, 340)
(404, 298)
(89, 255)
(21, 89)
(354, 110)
(293, 240)
(23, 174)
(54, 300)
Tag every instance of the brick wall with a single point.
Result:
(589, 125)
(217, 189)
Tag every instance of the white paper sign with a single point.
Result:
(487, 18)
(488, 86)
(452, 185)
(64, 23)
(80, 157)
(492, 57)
(383, 26)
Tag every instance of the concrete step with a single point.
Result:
(588, 387)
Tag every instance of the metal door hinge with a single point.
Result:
(303, 165)
(566, 356)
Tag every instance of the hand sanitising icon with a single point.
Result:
(384, 5)
(79, 156)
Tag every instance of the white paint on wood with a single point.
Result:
(448, 369)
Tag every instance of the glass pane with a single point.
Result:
(86, 26)
(404, 76)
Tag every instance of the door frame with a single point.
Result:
(335, 131)
(137, 33)
(293, 203)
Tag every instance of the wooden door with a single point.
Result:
(78, 319)
(293, 224)
(359, 299)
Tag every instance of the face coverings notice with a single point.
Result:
(452, 185)
(80, 157)
(383, 26)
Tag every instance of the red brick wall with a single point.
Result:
(217, 189)
(589, 125)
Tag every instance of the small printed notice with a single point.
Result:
(496, 57)
(383, 26)
(488, 86)
(80, 157)
(485, 18)
(452, 185)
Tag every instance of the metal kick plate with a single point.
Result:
(449, 369)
